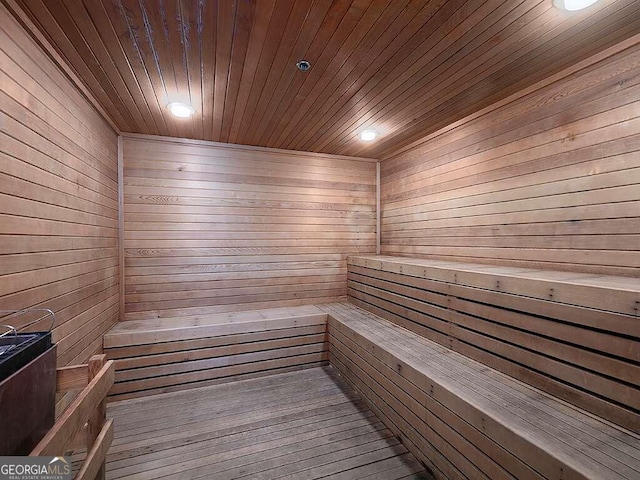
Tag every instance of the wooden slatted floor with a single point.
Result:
(301, 425)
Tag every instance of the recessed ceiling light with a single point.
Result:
(368, 135)
(181, 110)
(573, 5)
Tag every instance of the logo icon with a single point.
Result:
(35, 468)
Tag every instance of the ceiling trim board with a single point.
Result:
(251, 148)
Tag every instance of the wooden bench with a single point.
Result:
(169, 354)
(483, 372)
(466, 420)
(575, 336)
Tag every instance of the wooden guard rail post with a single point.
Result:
(83, 423)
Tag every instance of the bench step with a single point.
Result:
(163, 355)
(575, 336)
(601, 292)
(466, 420)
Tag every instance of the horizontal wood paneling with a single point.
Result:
(214, 227)
(550, 180)
(405, 67)
(574, 336)
(58, 199)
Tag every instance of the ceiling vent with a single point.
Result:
(303, 65)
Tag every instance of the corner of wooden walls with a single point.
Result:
(121, 227)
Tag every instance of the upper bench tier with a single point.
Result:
(576, 336)
(609, 293)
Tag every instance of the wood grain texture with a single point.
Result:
(574, 336)
(82, 425)
(213, 228)
(170, 354)
(549, 181)
(405, 67)
(58, 199)
(299, 425)
(58, 438)
(465, 420)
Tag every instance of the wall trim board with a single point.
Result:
(121, 225)
(586, 63)
(55, 57)
(378, 205)
(237, 146)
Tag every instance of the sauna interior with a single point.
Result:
(321, 239)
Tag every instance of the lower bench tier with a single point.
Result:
(465, 420)
(461, 418)
(158, 356)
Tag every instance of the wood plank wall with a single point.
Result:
(217, 227)
(58, 199)
(551, 180)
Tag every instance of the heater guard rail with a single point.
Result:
(83, 424)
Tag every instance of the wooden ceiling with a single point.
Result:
(404, 67)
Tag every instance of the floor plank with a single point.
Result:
(301, 425)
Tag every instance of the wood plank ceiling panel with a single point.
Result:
(403, 67)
